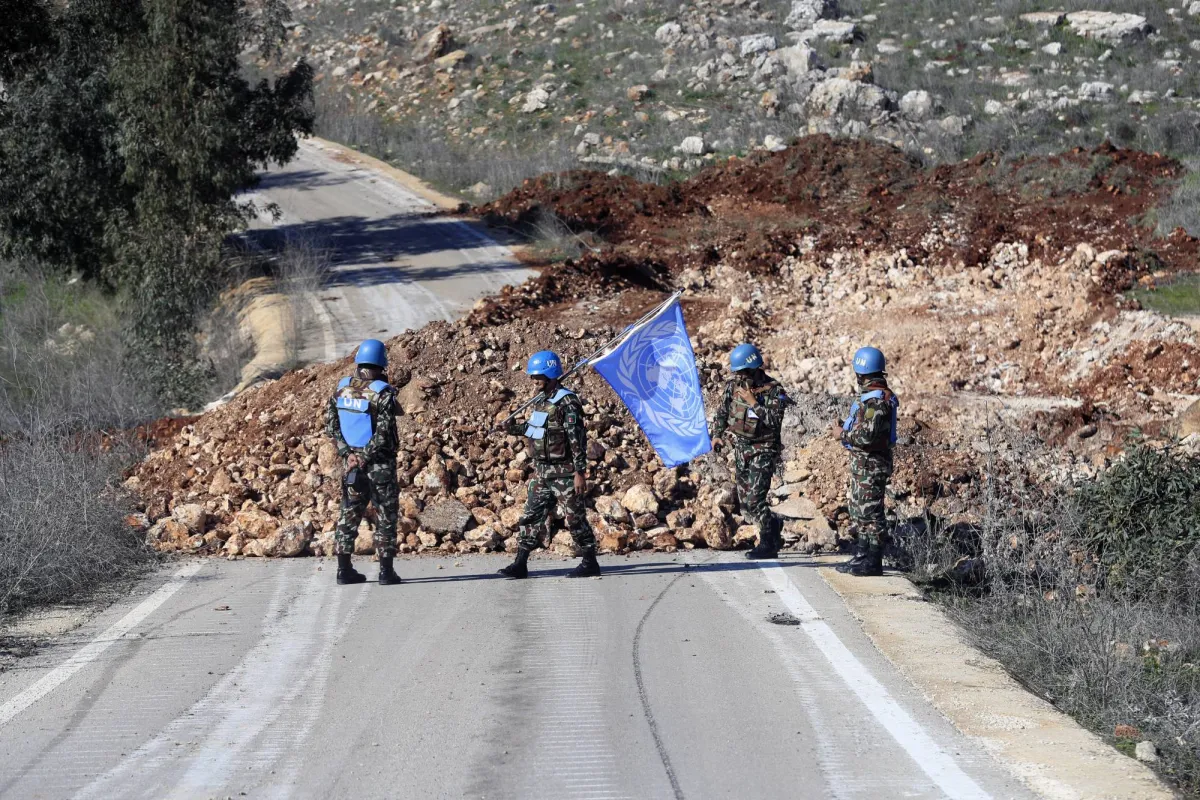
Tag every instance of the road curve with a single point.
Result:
(663, 679)
(397, 265)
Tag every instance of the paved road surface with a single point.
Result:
(396, 265)
(663, 679)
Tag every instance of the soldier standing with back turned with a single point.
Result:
(557, 441)
(752, 412)
(361, 420)
(869, 433)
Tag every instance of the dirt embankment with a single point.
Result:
(992, 287)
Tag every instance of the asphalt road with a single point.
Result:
(396, 263)
(662, 679)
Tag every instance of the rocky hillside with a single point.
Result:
(483, 93)
(998, 290)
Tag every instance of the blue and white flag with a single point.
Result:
(653, 370)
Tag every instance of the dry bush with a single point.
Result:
(65, 378)
(62, 528)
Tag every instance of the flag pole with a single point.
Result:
(588, 359)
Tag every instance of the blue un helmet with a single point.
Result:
(745, 356)
(545, 362)
(868, 361)
(371, 352)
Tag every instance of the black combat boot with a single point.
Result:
(860, 553)
(387, 575)
(519, 567)
(347, 574)
(871, 566)
(768, 545)
(588, 567)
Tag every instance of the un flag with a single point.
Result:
(653, 370)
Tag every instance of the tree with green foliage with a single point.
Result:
(127, 127)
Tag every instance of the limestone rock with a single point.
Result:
(693, 146)
(254, 523)
(364, 542)
(645, 522)
(1188, 422)
(168, 534)
(291, 540)
(839, 97)
(433, 44)
(916, 105)
(1146, 751)
(757, 43)
(640, 499)
(1048, 19)
(452, 59)
(669, 33)
(799, 60)
(1108, 26)
(834, 31)
(680, 518)
(611, 509)
(805, 13)
(1096, 90)
(192, 516)
(613, 543)
(412, 398)
(509, 517)
(637, 93)
(536, 100)
(665, 541)
(448, 516)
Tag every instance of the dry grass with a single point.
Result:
(65, 377)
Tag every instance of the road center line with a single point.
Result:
(93, 649)
(934, 761)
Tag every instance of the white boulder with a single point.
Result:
(805, 13)
(1108, 26)
(916, 105)
(798, 60)
(669, 33)
(757, 43)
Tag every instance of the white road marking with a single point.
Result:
(92, 650)
(237, 733)
(934, 761)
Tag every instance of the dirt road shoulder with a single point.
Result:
(1052, 753)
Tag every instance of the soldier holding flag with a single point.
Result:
(557, 442)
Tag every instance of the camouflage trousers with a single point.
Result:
(544, 492)
(384, 494)
(869, 474)
(753, 468)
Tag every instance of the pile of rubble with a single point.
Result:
(1002, 316)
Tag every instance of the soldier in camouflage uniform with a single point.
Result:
(752, 412)
(361, 419)
(557, 441)
(869, 433)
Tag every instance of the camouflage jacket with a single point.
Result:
(555, 433)
(759, 425)
(870, 427)
(383, 443)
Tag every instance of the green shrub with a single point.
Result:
(1141, 519)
